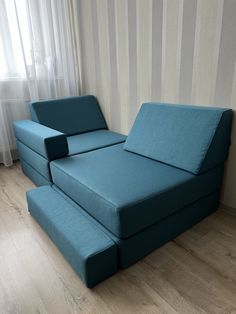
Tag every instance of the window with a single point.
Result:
(14, 35)
(35, 37)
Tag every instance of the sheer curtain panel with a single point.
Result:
(38, 60)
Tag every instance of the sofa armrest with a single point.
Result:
(48, 142)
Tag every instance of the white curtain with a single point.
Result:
(37, 60)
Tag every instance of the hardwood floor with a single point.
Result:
(194, 273)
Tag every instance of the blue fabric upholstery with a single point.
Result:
(49, 143)
(71, 115)
(40, 164)
(91, 253)
(127, 192)
(77, 144)
(111, 206)
(144, 242)
(41, 140)
(34, 175)
(88, 141)
(192, 138)
(79, 236)
(35, 156)
(136, 247)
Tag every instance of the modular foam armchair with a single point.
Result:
(107, 208)
(60, 128)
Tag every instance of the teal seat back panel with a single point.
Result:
(71, 115)
(191, 138)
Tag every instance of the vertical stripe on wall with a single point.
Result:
(96, 47)
(187, 50)
(88, 63)
(132, 42)
(216, 48)
(104, 79)
(144, 51)
(227, 55)
(233, 93)
(121, 8)
(206, 43)
(180, 51)
(115, 97)
(157, 9)
(171, 50)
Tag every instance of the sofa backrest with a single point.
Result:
(192, 138)
(71, 115)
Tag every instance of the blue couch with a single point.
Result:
(60, 128)
(108, 207)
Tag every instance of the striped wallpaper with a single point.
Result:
(179, 51)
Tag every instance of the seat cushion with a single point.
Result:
(127, 192)
(192, 138)
(132, 249)
(90, 251)
(70, 115)
(88, 141)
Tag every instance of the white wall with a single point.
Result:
(179, 51)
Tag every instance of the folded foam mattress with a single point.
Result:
(127, 192)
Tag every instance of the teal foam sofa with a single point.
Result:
(109, 207)
(60, 128)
